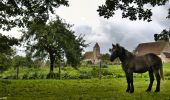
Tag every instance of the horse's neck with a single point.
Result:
(126, 56)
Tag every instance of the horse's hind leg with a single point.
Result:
(158, 80)
(151, 80)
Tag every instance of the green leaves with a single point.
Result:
(6, 50)
(6, 43)
(20, 12)
(132, 9)
(164, 35)
(54, 40)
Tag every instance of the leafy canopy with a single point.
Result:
(132, 9)
(20, 12)
(55, 40)
(6, 50)
(6, 42)
(164, 35)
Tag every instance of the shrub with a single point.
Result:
(85, 75)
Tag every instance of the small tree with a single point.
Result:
(105, 58)
(164, 35)
(54, 40)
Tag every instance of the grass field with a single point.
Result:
(112, 86)
(89, 89)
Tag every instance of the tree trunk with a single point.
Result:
(52, 62)
(59, 71)
(17, 72)
(51, 73)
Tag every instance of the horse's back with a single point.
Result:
(141, 64)
(153, 60)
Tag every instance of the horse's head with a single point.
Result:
(115, 52)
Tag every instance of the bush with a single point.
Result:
(85, 75)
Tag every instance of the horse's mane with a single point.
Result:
(126, 52)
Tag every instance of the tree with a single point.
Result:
(6, 50)
(20, 12)
(164, 35)
(55, 40)
(132, 9)
(6, 42)
(105, 58)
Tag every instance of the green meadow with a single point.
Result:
(111, 86)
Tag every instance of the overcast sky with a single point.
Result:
(83, 14)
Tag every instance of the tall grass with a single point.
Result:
(89, 89)
(83, 72)
(84, 85)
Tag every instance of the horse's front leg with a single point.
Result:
(128, 83)
(131, 83)
(129, 78)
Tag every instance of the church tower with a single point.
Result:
(96, 53)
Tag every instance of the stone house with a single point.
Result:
(161, 49)
(93, 56)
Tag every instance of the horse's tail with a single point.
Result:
(161, 72)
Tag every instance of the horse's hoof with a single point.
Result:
(148, 90)
(157, 90)
(127, 90)
(131, 91)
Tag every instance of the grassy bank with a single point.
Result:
(81, 84)
(89, 89)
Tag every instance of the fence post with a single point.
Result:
(100, 73)
(18, 70)
(59, 71)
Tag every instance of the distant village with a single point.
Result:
(160, 48)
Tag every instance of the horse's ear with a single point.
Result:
(117, 45)
(113, 45)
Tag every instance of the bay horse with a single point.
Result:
(138, 64)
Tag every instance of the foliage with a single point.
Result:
(164, 35)
(6, 42)
(20, 12)
(6, 51)
(5, 61)
(83, 72)
(19, 61)
(132, 9)
(105, 58)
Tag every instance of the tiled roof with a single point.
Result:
(151, 47)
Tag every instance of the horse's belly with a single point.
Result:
(140, 69)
